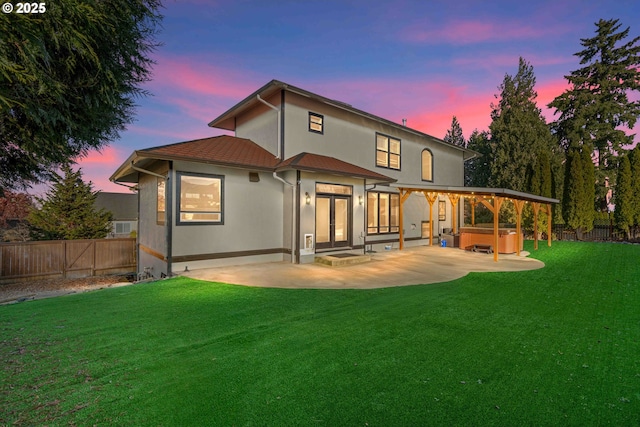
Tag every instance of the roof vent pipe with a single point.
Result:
(404, 122)
(273, 107)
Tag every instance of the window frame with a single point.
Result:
(321, 124)
(122, 224)
(179, 211)
(388, 152)
(422, 165)
(392, 228)
(160, 219)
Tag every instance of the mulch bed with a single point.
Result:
(36, 289)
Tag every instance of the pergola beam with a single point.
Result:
(492, 198)
(431, 199)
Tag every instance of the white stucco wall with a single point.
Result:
(308, 212)
(151, 234)
(352, 138)
(253, 213)
(260, 125)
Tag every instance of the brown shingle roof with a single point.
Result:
(223, 150)
(318, 163)
(243, 153)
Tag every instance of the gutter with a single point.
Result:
(135, 168)
(293, 214)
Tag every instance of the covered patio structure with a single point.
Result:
(492, 198)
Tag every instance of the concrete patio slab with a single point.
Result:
(411, 266)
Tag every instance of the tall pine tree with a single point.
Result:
(477, 171)
(454, 134)
(596, 108)
(68, 212)
(588, 176)
(573, 200)
(624, 212)
(518, 131)
(634, 159)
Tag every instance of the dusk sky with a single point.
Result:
(425, 61)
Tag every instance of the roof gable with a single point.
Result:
(227, 119)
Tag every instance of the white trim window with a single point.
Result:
(122, 227)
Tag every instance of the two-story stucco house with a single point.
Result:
(303, 175)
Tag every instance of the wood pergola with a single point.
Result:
(492, 198)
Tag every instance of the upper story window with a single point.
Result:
(427, 165)
(200, 199)
(387, 152)
(316, 123)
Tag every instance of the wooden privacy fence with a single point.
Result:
(66, 258)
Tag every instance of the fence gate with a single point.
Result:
(66, 258)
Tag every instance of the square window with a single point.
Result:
(200, 199)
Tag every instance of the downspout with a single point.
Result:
(273, 107)
(293, 215)
(168, 210)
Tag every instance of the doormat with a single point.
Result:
(343, 255)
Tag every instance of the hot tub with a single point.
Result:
(507, 238)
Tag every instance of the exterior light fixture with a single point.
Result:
(307, 198)
(360, 200)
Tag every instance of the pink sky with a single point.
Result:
(423, 61)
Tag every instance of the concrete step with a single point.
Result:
(338, 260)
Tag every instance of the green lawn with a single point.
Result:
(557, 346)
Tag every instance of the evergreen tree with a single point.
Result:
(69, 77)
(477, 171)
(596, 108)
(588, 177)
(454, 135)
(518, 131)
(634, 158)
(573, 199)
(624, 212)
(68, 212)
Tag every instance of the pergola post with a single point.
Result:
(536, 208)
(497, 204)
(454, 198)
(431, 199)
(549, 224)
(495, 210)
(473, 203)
(519, 204)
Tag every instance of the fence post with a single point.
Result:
(64, 259)
(93, 261)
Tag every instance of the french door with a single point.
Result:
(333, 225)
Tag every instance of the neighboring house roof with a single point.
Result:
(317, 163)
(123, 206)
(241, 153)
(227, 119)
